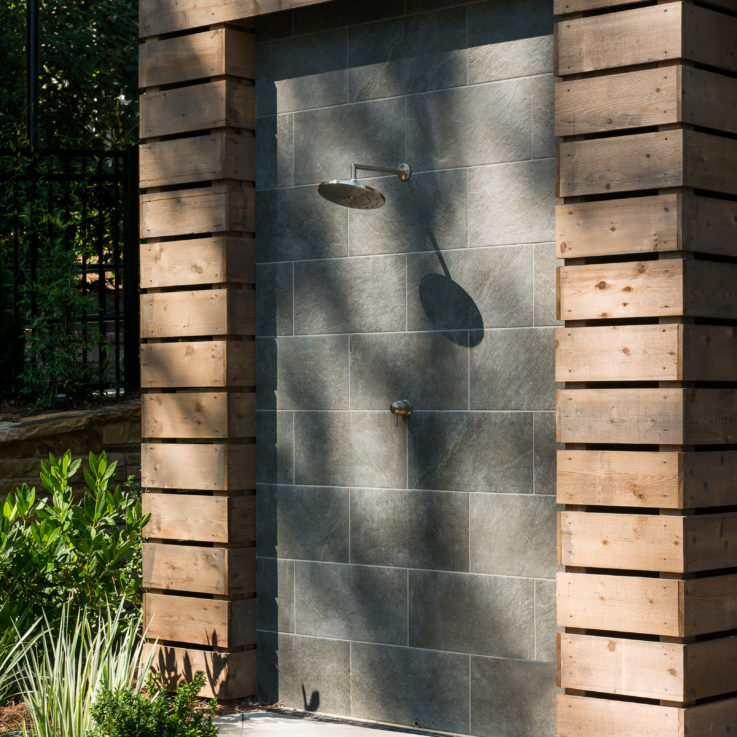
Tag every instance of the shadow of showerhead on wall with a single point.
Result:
(449, 307)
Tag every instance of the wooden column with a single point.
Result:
(198, 354)
(648, 168)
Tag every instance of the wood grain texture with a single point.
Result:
(198, 159)
(198, 261)
(662, 288)
(645, 605)
(196, 621)
(661, 480)
(211, 53)
(224, 311)
(198, 364)
(206, 519)
(670, 222)
(166, 16)
(647, 416)
(674, 158)
(198, 415)
(224, 103)
(581, 716)
(649, 542)
(566, 7)
(647, 97)
(229, 675)
(198, 467)
(223, 207)
(655, 670)
(646, 353)
(202, 570)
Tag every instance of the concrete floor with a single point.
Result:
(271, 724)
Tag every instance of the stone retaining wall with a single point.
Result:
(115, 429)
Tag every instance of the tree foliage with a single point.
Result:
(87, 72)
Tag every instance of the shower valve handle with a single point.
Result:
(401, 408)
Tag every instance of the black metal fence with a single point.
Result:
(69, 263)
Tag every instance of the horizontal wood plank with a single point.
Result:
(224, 311)
(663, 416)
(215, 623)
(665, 480)
(164, 16)
(646, 669)
(566, 7)
(662, 288)
(202, 570)
(203, 415)
(198, 261)
(198, 364)
(646, 353)
(211, 53)
(643, 161)
(198, 159)
(196, 518)
(224, 103)
(229, 675)
(198, 467)
(645, 605)
(649, 542)
(670, 222)
(581, 716)
(225, 206)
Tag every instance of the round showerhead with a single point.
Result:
(351, 193)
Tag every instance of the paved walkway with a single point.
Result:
(271, 724)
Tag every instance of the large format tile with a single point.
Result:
(406, 55)
(274, 299)
(483, 615)
(274, 151)
(339, 13)
(275, 447)
(328, 141)
(302, 372)
(513, 535)
(469, 126)
(543, 109)
(306, 673)
(509, 39)
(272, 26)
(545, 630)
(512, 698)
(365, 449)
(409, 529)
(428, 369)
(303, 522)
(479, 451)
(512, 203)
(545, 452)
(296, 223)
(426, 212)
(363, 603)
(275, 586)
(422, 688)
(301, 73)
(483, 288)
(356, 295)
(514, 369)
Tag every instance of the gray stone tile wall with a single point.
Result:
(405, 570)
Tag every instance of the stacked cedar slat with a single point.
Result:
(197, 373)
(647, 110)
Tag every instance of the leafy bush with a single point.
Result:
(78, 658)
(85, 551)
(123, 713)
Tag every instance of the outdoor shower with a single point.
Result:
(351, 193)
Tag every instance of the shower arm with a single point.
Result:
(403, 172)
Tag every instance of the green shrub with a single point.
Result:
(85, 551)
(126, 714)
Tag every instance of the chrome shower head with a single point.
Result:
(351, 193)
